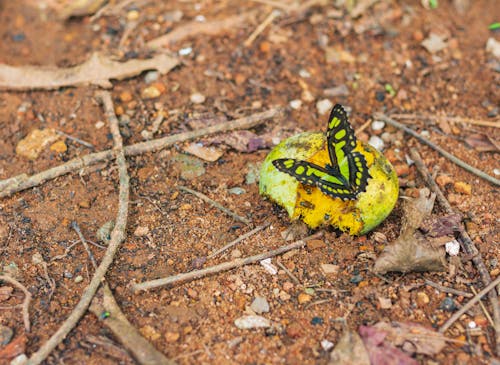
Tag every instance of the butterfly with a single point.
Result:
(346, 176)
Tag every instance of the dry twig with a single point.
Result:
(446, 289)
(469, 305)
(117, 236)
(238, 240)
(444, 153)
(26, 302)
(221, 267)
(213, 203)
(76, 227)
(23, 181)
(435, 118)
(269, 19)
(129, 337)
(465, 240)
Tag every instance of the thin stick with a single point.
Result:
(117, 236)
(78, 140)
(446, 289)
(125, 332)
(75, 226)
(444, 153)
(221, 267)
(215, 204)
(469, 305)
(26, 301)
(288, 272)
(465, 240)
(269, 19)
(434, 118)
(238, 240)
(22, 181)
(485, 311)
(363, 127)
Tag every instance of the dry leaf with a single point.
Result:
(33, 144)
(382, 352)
(413, 337)
(210, 154)
(349, 351)
(412, 251)
(97, 70)
(482, 143)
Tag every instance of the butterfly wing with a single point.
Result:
(309, 173)
(341, 140)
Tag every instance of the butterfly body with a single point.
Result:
(346, 175)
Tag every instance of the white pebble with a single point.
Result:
(200, 18)
(452, 248)
(324, 106)
(304, 73)
(252, 321)
(496, 171)
(378, 125)
(472, 324)
(270, 268)
(326, 345)
(78, 279)
(260, 305)
(197, 98)
(295, 104)
(376, 142)
(99, 124)
(185, 51)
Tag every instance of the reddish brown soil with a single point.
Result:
(194, 322)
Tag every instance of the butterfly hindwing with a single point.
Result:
(347, 174)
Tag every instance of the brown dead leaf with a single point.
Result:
(97, 70)
(482, 143)
(349, 351)
(412, 251)
(5, 292)
(13, 349)
(413, 337)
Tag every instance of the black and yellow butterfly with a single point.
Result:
(346, 176)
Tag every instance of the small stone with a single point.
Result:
(304, 73)
(32, 145)
(326, 345)
(260, 305)
(315, 244)
(385, 303)
(356, 279)
(104, 232)
(324, 106)
(6, 335)
(443, 180)
(185, 51)
(78, 279)
(193, 294)
(304, 298)
(481, 321)
(235, 254)
(68, 274)
(294, 330)
(141, 231)
(197, 98)
(418, 36)
(151, 92)
(284, 296)
(462, 188)
(422, 299)
(448, 305)
(149, 332)
(452, 248)
(133, 15)
(493, 47)
(99, 124)
(265, 47)
(377, 142)
(402, 170)
(125, 96)
(59, 147)
(434, 43)
(295, 104)
(334, 92)
(270, 268)
(172, 337)
(85, 204)
(378, 125)
(237, 191)
(151, 76)
(329, 269)
(380, 95)
(317, 321)
(307, 96)
(252, 321)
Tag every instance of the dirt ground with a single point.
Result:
(374, 62)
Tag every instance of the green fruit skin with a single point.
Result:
(373, 206)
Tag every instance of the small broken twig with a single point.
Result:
(222, 267)
(434, 118)
(23, 181)
(125, 332)
(26, 302)
(238, 240)
(117, 236)
(446, 289)
(76, 227)
(469, 305)
(215, 204)
(435, 147)
(77, 140)
(269, 19)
